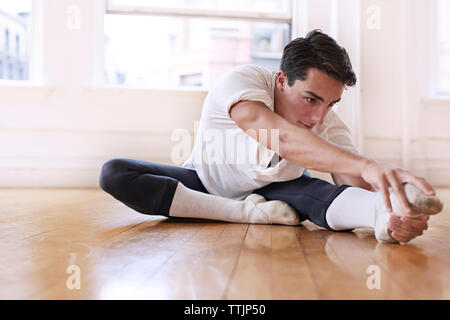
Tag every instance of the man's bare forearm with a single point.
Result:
(306, 149)
(298, 145)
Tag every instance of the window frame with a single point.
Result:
(34, 49)
(287, 17)
(435, 63)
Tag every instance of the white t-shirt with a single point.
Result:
(228, 161)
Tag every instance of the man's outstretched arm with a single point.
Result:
(306, 149)
(351, 180)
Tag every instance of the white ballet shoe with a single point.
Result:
(274, 211)
(419, 202)
(255, 198)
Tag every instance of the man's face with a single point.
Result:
(307, 102)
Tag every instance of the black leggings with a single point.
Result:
(149, 188)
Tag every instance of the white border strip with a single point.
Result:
(284, 17)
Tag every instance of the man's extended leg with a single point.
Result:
(152, 188)
(145, 186)
(341, 208)
(356, 207)
(311, 197)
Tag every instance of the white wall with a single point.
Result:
(61, 133)
(402, 125)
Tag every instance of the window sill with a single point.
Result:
(29, 94)
(23, 90)
(129, 95)
(19, 83)
(437, 103)
(146, 89)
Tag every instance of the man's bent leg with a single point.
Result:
(145, 186)
(152, 188)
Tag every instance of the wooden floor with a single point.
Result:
(122, 254)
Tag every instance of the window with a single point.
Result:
(17, 45)
(10, 72)
(443, 47)
(192, 42)
(14, 22)
(6, 40)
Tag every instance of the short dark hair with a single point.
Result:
(317, 50)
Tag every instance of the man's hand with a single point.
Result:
(404, 229)
(383, 177)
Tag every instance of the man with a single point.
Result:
(250, 120)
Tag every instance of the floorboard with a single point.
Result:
(122, 254)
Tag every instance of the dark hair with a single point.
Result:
(320, 51)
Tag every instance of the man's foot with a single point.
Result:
(420, 203)
(274, 211)
(382, 232)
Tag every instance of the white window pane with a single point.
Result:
(173, 51)
(443, 47)
(14, 22)
(231, 5)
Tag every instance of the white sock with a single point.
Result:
(189, 203)
(353, 208)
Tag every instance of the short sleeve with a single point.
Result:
(248, 94)
(247, 82)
